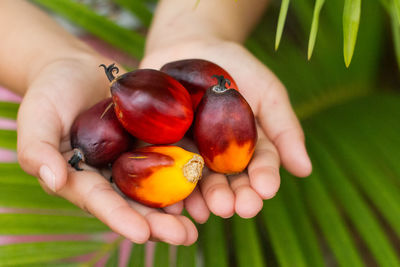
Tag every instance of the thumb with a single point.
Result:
(39, 131)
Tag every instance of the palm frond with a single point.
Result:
(8, 110)
(137, 256)
(247, 243)
(162, 255)
(213, 243)
(124, 39)
(281, 22)
(186, 256)
(138, 9)
(345, 214)
(314, 27)
(44, 252)
(351, 21)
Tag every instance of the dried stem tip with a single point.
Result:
(221, 86)
(109, 70)
(192, 170)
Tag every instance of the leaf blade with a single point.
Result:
(351, 21)
(281, 233)
(137, 257)
(186, 256)
(80, 14)
(161, 255)
(42, 252)
(354, 206)
(247, 244)
(281, 22)
(29, 224)
(138, 9)
(9, 110)
(314, 27)
(8, 139)
(213, 243)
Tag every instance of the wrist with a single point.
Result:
(177, 20)
(81, 58)
(79, 72)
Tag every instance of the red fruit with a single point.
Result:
(225, 129)
(196, 76)
(97, 137)
(151, 105)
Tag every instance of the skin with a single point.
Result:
(59, 78)
(178, 33)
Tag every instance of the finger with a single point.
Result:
(218, 195)
(247, 202)
(281, 125)
(46, 188)
(39, 134)
(197, 207)
(263, 169)
(168, 228)
(191, 230)
(175, 209)
(91, 192)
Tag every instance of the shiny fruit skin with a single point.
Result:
(155, 175)
(196, 76)
(99, 136)
(225, 131)
(152, 106)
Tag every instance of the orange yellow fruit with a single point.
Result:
(157, 176)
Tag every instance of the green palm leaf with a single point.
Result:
(213, 243)
(8, 139)
(137, 8)
(113, 260)
(281, 22)
(281, 233)
(304, 228)
(248, 250)
(396, 9)
(34, 253)
(19, 224)
(161, 255)
(186, 256)
(355, 207)
(314, 27)
(344, 213)
(129, 41)
(331, 222)
(137, 257)
(8, 110)
(351, 21)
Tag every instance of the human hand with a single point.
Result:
(280, 137)
(56, 95)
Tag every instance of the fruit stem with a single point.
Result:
(192, 170)
(109, 71)
(221, 86)
(75, 159)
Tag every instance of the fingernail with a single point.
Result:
(48, 177)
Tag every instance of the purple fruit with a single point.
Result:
(97, 137)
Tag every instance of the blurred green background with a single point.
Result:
(346, 214)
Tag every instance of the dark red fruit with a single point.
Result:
(151, 105)
(225, 129)
(196, 76)
(97, 137)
